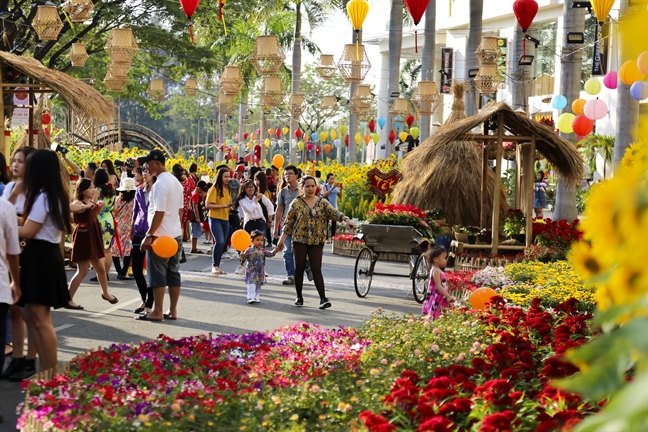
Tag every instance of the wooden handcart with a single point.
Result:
(391, 239)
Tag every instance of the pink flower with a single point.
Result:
(435, 348)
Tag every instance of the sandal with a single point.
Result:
(196, 251)
(115, 300)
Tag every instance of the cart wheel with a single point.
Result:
(363, 272)
(420, 278)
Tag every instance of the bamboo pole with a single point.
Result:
(498, 178)
(530, 179)
(484, 198)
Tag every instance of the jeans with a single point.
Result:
(137, 260)
(219, 229)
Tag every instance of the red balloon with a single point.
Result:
(582, 125)
(416, 8)
(46, 118)
(298, 133)
(410, 120)
(189, 7)
(278, 133)
(372, 126)
(245, 135)
(318, 150)
(392, 136)
(525, 11)
(346, 140)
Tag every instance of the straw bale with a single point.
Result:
(78, 95)
(448, 175)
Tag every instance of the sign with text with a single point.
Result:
(382, 183)
(446, 70)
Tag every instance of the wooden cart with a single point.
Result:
(391, 239)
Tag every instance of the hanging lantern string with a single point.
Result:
(416, 41)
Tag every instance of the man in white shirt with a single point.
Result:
(164, 216)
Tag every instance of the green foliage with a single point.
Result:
(581, 199)
(592, 144)
(514, 222)
(508, 180)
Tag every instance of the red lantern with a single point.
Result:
(46, 118)
(259, 132)
(416, 9)
(346, 140)
(372, 126)
(525, 11)
(410, 120)
(245, 135)
(257, 151)
(298, 133)
(392, 136)
(278, 133)
(189, 7)
(318, 150)
(582, 125)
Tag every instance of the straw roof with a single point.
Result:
(561, 153)
(448, 175)
(78, 95)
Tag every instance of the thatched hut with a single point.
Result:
(448, 175)
(507, 125)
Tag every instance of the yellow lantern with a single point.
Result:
(601, 9)
(285, 130)
(402, 136)
(333, 134)
(300, 145)
(357, 10)
(267, 142)
(343, 130)
(235, 148)
(323, 136)
(249, 146)
(358, 138)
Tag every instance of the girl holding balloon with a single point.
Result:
(437, 297)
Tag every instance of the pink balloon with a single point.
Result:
(259, 132)
(309, 146)
(611, 80)
(595, 109)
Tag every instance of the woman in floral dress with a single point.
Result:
(123, 214)
(105, 193)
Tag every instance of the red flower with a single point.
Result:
(436, 424)
(498, 422)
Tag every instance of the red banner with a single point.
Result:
(382, 183)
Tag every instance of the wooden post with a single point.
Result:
(484, 186)
(519, 183)
(30, 131)
(498, 179)
(528, 185)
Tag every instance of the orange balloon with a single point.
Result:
(480, 297)
(165, 246)
(278, 161)
(241, 240)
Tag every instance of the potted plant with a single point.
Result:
(437, 215)
(460, 233)
(473, 232)
(514, 225)
(400, 214)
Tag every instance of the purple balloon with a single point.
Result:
(611, 80)
(639, 90)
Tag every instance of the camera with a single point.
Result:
(58, 148)
(118, 163)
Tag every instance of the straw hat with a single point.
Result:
(127, 185)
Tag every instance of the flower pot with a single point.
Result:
(461, 237)
(472, 239)
(519, 237)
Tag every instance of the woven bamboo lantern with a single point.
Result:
(156, 90)
(426, 98)
(329, 106)
(296, 102)
(114, 84)
(488, 50)
(354, 63)
(121, 45)
(400, 107)
(225, 104)
(78, 54)
(78, 10)
(326, 66)
(364, 115)
(119, 70)
(267, 55)
(363, 96)
(47, 23)
(191, 87)
(488, 78)
(231, 81)
(273, 92)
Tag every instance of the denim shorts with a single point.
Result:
(163, 272)
(196, 229)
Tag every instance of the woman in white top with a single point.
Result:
(42, 274)
(257, 208)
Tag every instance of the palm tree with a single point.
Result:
(476, 8)
(395, 44)
(427, 59)
(595, 143)
(570, 81)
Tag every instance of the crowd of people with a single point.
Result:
(113, 219)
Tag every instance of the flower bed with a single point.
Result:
(466, 368)
(346, 245)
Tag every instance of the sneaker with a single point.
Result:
(289, 281)
(250, 301)
(299, 302)
(15, 365)
(256, 300)
(309, 274)
(239, 270)
(28, 371)
(225, 255)
(234, 254)
(325, 304)
(208, 242)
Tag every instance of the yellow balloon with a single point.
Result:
(323, 136)
(285, 130)
(358, 137)
(402, 136)
(333, 134)
(357, 10)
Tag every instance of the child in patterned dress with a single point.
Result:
(254, 258)
(437, 297)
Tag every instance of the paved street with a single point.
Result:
(217, 304)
